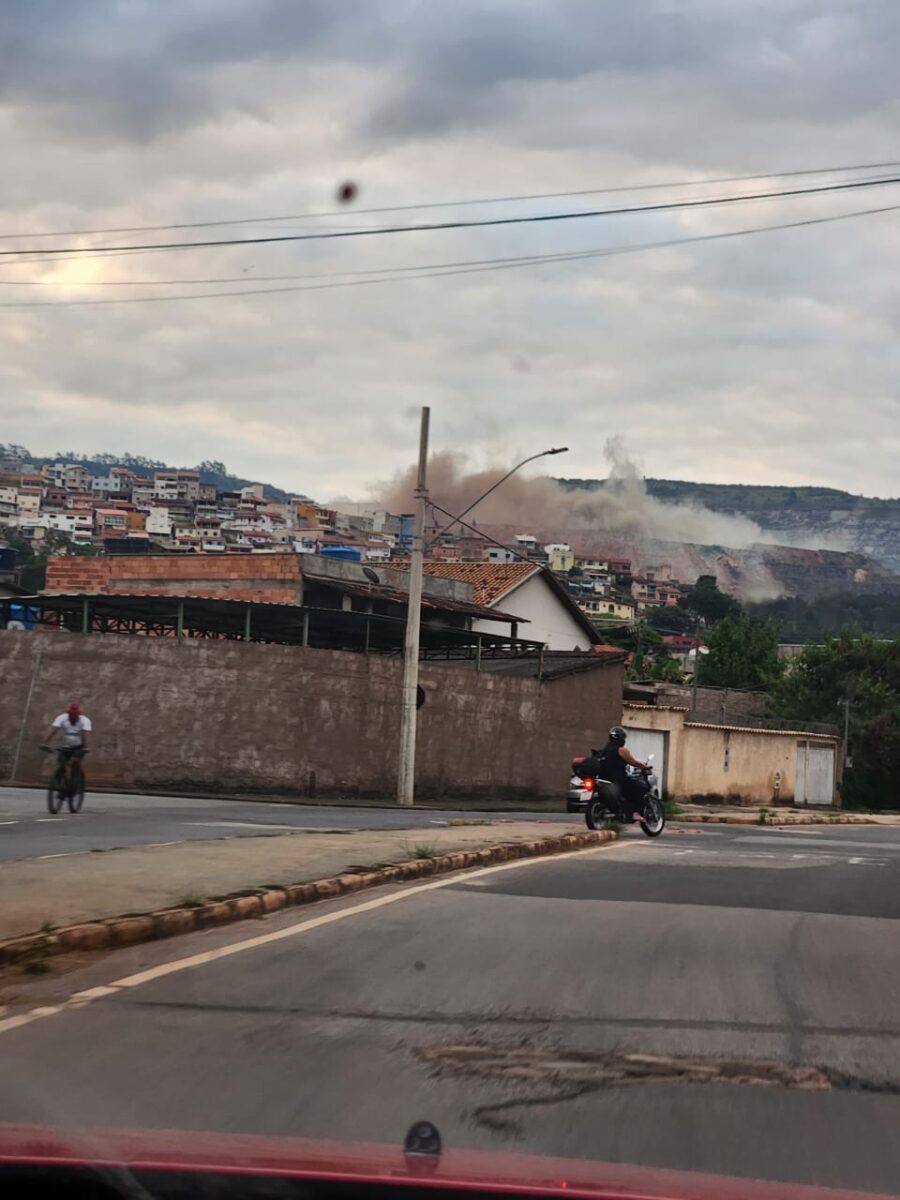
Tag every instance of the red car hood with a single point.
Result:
(298, 1158)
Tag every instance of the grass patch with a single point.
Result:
(36, 959)
(457, 821)
(673, 809)
(423, 850)
(191, 900)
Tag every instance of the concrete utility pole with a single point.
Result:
(406, 778)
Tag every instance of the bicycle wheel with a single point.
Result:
(76, 794)
(54, 791)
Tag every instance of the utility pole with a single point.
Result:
(406, 777)
(846, 705)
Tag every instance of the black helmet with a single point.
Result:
(618, 734)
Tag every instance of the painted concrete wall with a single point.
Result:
(205, 715)
(739, 766)
(548, 621)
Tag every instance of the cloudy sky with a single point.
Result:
(764, 358)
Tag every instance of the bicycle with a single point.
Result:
(66, 783)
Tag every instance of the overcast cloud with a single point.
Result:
(771, 358)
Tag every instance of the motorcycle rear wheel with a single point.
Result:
(597, 815)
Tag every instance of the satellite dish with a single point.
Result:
(371, 575)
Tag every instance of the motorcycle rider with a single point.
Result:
(614, 757)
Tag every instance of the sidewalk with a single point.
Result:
(724, 814)
(99, 884)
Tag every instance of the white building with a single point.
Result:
(159, 522)
(528, 591)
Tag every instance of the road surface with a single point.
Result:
(500, 1002)
(111, 821)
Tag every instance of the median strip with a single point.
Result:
(200, 914)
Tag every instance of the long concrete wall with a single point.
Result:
(203, 715)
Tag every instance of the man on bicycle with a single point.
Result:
(74, 730)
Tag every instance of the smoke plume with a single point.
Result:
(620, 507)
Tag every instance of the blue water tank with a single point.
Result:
(348, 553)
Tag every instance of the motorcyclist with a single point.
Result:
(615, 757)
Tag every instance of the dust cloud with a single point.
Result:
(621, 506)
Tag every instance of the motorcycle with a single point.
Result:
(601, 803)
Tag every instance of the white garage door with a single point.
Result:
(815, 774)
(644, 742)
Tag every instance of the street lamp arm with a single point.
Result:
(459, 520)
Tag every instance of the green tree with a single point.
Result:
(669, 618)
(866, 673)
(705, 600)
(650, 657)
(743, 653)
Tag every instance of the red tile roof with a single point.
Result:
(490, 581)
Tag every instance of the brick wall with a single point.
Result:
(261, 577)
(227, 717)
(715, 704)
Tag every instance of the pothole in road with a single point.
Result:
(521, 1063)
(548, 1077)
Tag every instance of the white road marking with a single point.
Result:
(64, 854)
(237, 825)
(9, 822)
(80, 999)
(40, 820)
(841, 843)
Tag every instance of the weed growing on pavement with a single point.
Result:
(673, 809)
(36, 957)
(457, 821)
(423, 850)
(190, 901)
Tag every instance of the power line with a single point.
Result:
(432, 204)
(481, 223)
(456, 265)
(472, 267)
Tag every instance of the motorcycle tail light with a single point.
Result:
(588, 785)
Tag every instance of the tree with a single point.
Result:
(669, 618)
(743, 653)
(650, 656)
(706, 600)
(866, 673)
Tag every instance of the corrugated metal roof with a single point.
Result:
(372, 591)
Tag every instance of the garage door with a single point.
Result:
(815, 774)
(644, 742)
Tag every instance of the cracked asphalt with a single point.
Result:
(724, 1000)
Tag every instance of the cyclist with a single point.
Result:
(74, 729)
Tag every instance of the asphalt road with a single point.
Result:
(111, 821)
(500, 1003)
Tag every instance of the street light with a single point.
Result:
(406, 775)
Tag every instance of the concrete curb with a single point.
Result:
(114, 932)
(734, 819)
